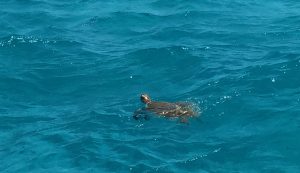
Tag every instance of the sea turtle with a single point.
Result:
(183, 110)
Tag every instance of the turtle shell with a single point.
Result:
(171, 109)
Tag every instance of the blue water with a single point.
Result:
(71, 73)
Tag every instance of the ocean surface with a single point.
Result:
(71, 73)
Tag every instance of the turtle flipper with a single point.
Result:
(140, 114)
(183, 119)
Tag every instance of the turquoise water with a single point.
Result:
(71, 74)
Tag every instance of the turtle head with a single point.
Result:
(145, 98)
